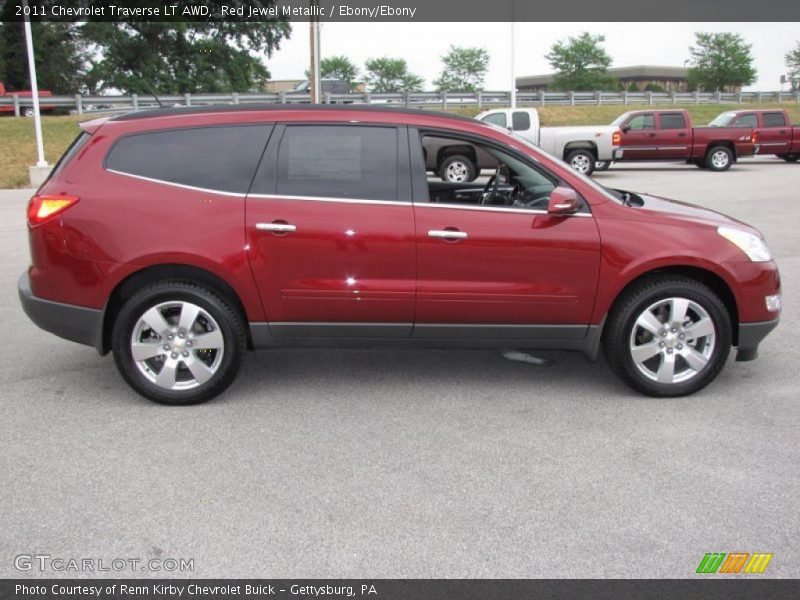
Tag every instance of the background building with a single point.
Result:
(633, 79)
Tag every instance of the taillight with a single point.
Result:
(755, 137)
(42, 208)
(616, 138)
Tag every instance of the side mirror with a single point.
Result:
(563, 201)
(626, 129)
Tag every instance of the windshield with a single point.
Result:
(722, 120)
(620, 119)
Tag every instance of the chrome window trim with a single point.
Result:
(178, 185)
(526, 211)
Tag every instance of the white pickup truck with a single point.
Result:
(580, 147)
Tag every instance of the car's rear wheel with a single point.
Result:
(789, 157)
(175, 342)
(719, 158)
(668, 336)
(581, 161)
(457, 168)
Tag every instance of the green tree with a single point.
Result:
(60, 57)
(221, 56)
(464, 70)
(720, 61)
(338, 67)
(793, 63)
(391, 75)
(581, 64)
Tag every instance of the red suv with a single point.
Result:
(180, 238)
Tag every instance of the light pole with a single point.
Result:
(316, 93)
(37, 118)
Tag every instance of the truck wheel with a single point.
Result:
(719, 158)
(581, 161)
(29, 112)
(790, 157)
(602, 165)
(458, 168)
(175, 342)
(668, 336)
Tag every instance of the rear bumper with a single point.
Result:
(750, 336)
(74, 323)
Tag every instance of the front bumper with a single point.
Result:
(750, 336)
(74, 323)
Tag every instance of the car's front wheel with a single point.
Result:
(175, 342)
(668, 336)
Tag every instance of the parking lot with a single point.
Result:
(403, 463)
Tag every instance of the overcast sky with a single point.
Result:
(422, 45)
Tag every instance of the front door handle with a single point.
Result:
(277, 227)
(448, 234)
(652, 135)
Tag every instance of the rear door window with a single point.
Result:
(775, 119)
(672, 121)
(520, 121)
(338, 161)
(220, 158)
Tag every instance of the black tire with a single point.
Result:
(619, 329)
(227, 319)
(789, 157)
(719, 158)
(453, 165)
(602, 165)
(582, 161)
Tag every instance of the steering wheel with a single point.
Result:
(490, 189)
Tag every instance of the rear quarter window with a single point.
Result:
(218, 158)
(520, 121)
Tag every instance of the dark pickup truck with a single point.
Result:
(776, 134)
(669, 135)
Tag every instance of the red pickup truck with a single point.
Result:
(26, 110)
(669, 135)
(773, 127)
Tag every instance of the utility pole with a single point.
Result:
(37, 118)
(513, 69)
(316, 92)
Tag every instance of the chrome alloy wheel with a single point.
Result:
(672, 340)
(720, 159)
(581, 163)
(177, 345)
(457, 172)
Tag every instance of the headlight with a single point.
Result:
(750, 244)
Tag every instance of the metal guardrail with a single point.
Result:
(438, 100)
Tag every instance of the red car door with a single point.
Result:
(774, 133)
(638, 137)
(674, 135)
(330, 231)
(500, 269)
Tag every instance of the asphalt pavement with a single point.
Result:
(410, 463)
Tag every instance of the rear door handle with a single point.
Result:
(452, 234)
(276, 226)
(652, 135)
(681, 135)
